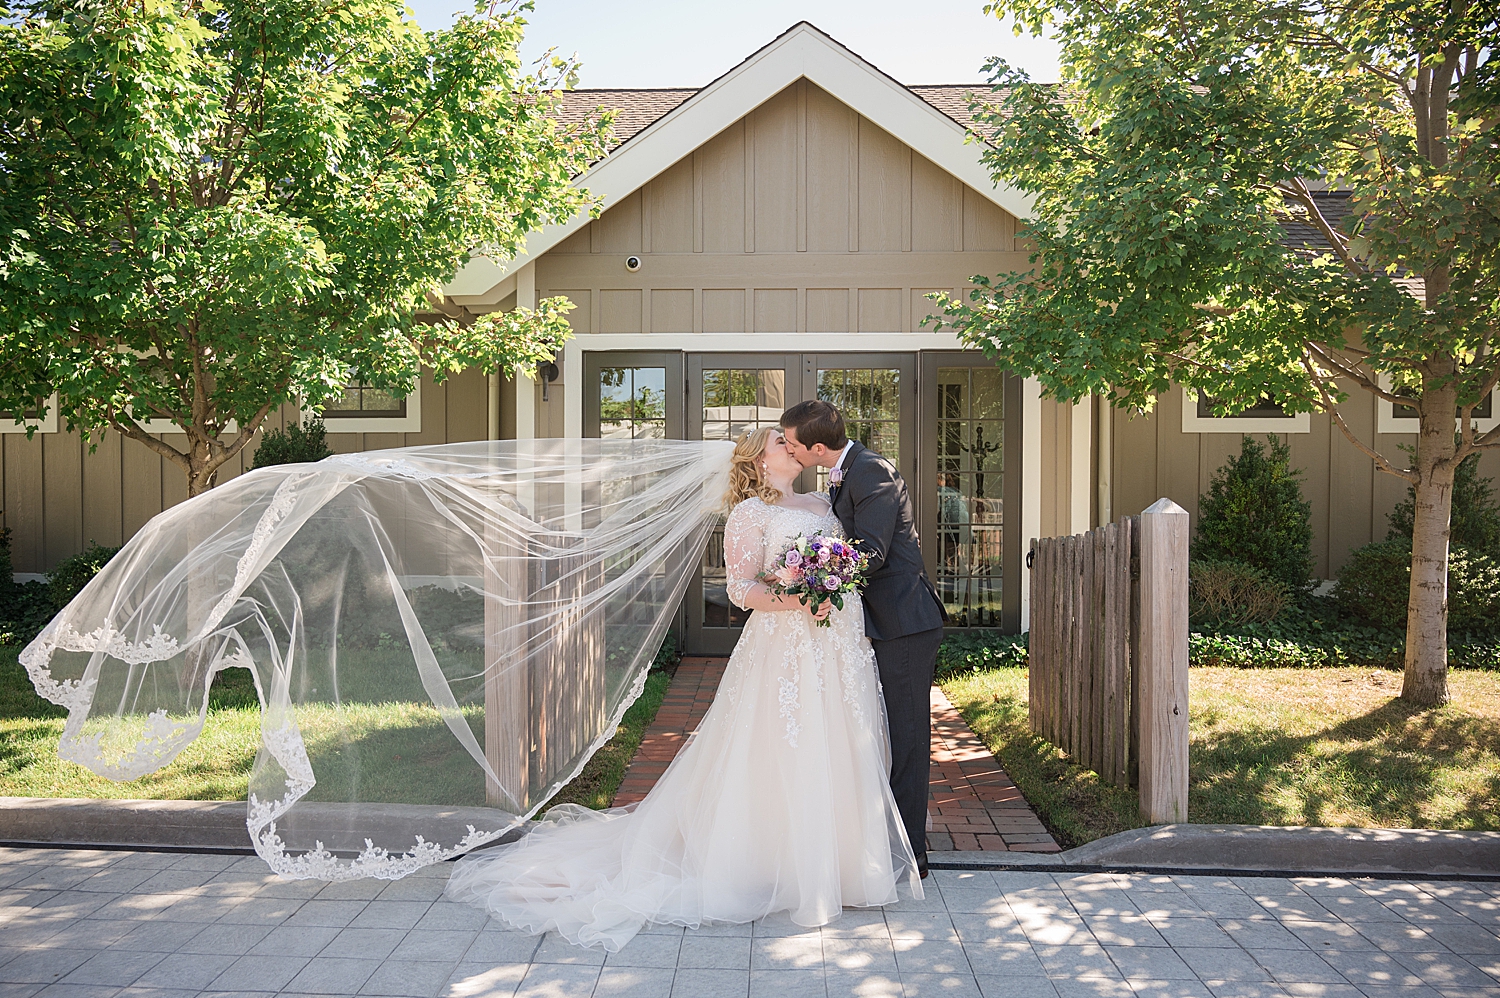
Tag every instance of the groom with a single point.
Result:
(903, 615)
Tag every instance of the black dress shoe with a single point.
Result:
(922, 865)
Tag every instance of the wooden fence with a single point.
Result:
(1108, 653)
(1084, 626)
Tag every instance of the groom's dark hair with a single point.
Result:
(816, 422)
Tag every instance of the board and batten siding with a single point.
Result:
(1350, 499)
(58, 496)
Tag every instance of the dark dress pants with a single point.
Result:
(906, 665)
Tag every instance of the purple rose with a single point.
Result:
(793, 558)
(832, 583)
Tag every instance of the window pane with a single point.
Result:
(970, 488)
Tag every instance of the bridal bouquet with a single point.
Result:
(818, 569)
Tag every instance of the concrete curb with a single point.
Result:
(1265, 848)
(219, 826)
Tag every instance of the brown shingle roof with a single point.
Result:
(636, 109)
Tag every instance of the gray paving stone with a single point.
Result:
(409, 978)
(1075, 961)
(930, 956)
(1361, 967)
(42, 966)
(427, 945)
(859, 956)
(1328, 935)
(1401, 937)
(940, 986)
(807, 983)
(634, 982)
(1092, 987)
(352, 890)
(712, 983)
(371, 944)
(1149, 963)
(256, 972)
(1222, 964)
(803, 952)
(999, 957)
(1255, 933)
(1446, 969)
(501, 947)
(296, 940)
(1193, 988)
(1323, 991)
(160, 937)
(1006, 986)
(986, 901)
(387, 914)
(855, 923)
(231, 940)
(78, 991)
(484, 980)
(934, 926)
(185, 971)
(1298, 967)
(1123, 930)
(875, 985)
(715, 953)
(448, 915)
(652, 952)
(112, 966)
(557, 950)
(414, 889)
(1418, 991)
(1246, 989)
(781, 924)
(325, 975)
(1192, 932)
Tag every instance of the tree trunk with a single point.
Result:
(1426, 676)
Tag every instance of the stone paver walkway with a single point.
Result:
(974, 805)
(93, 924)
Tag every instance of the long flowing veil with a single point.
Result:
(440, 637)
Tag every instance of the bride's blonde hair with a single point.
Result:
(745, 476)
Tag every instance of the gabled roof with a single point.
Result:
(656, 128)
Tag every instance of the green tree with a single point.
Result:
(1254, 513)
(212, 207)
(1184, 136)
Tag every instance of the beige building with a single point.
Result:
(765, 239)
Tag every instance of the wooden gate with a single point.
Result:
(1085, 621)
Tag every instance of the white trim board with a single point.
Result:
(1193, 423)
(47, 424)
(803, 52)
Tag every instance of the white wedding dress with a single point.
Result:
(779, 802)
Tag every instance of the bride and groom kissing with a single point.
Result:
(804, 789)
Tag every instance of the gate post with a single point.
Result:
(1163, 664)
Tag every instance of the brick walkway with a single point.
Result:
(974, 804)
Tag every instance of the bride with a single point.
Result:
(779, 802)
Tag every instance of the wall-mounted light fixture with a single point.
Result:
(548, 372)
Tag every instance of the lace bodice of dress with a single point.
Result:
(757, 533)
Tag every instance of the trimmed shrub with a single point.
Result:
(1229, 593)
(294, 445)
(1474, 522)
(1375, 586)
(72, 574)
(25, 607)
(1253, 513)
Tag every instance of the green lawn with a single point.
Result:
(1276, 747)
(406, 752)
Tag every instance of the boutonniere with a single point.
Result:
(836, 476)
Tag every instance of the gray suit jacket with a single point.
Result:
(874, 508)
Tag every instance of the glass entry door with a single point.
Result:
(727, 395)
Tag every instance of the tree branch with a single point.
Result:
(1380, 460)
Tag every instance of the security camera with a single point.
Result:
(632, 263)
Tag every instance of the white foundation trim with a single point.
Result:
(1031, 484)
(803, 51)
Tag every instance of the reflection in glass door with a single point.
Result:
(970, 494)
